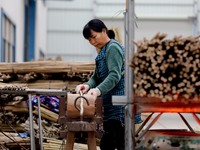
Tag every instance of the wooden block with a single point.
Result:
(89, 110)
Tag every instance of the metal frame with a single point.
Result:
(128, 98)
(129, 37)
(152, 105)
(134, 104)
(31, 92)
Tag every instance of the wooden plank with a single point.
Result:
(91, 141)
(78, 126)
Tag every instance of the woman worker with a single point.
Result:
(106, 81)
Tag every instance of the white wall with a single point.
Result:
(174, 17)
(67, 18)
(65, 21)
(148, 28)
(64, 30)
(14, 9)
(40, 28)
(197, 9)
(59, 28)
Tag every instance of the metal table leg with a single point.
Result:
(32, 139)
(40, 124)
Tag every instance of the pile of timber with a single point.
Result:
(46, 74)
(14, 120)
(14, 113)
(167, 68)
(12, 141)
(8, 140)
(52, 144)
(49, 66)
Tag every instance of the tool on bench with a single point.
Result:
(81, 109)
(78, 112)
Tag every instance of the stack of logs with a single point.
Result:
(167, 68)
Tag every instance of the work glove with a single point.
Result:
(94, 92)
(82, 87)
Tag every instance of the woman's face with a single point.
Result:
(97, 39)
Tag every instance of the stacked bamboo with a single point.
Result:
(47, 70)
(47, 114)
(7, 128)
(21, 107)
(167, 68)
(37, 75)
(17, 87)
(46, 67)
(52, 144)
(8, 139)
(48, 84)
(46, 74)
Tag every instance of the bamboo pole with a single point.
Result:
(167, 68)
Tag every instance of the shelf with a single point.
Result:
(151, 104)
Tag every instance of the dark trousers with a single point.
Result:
(113, 136)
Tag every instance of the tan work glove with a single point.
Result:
(94, 92)
(82, 87)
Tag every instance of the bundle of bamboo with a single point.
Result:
(18, 87)
(38, 75)
(46, 74)
(11, 141)
(46, 67)
(168, 69)
(52, 144)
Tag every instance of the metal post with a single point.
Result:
(40, 124)
(129, 37)
(128, 98)
(198, 17)
(32, 139)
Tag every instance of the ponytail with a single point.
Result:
(111, 34)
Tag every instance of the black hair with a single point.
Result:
(111, 34)
(96, 25)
